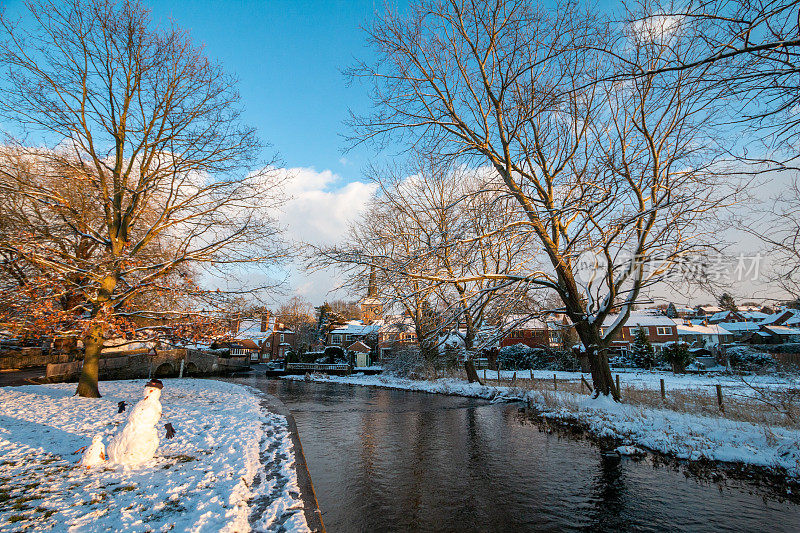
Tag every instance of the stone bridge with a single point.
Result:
(144, 363)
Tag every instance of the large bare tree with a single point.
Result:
(444, 238)
(139, 118)
(618, 173)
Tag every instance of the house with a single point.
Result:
(786, 317)
(740, 330)
(703, 311)
(660, 330)
(395, 331)
(703, 335)
(245, 348)
(527, 330)
(344, 335)
(272, 337)
(775, 334)
(726, 316)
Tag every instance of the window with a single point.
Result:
(516, 334)
(281, 337)
(664, 330)
(336, 339)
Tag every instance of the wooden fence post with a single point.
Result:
(531, 374)
(619, 391)
(555, 383)
(514, 379)
(663, 391)
(719, 398)
(484, 376)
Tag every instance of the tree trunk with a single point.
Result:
(93, 345)
(596, 350)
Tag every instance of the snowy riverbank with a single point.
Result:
(682, 435)
(228, 458)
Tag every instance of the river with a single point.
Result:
(387, 460)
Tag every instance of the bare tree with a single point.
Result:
(618, 172)
(755, 48)
(298, 314)
(138, 116)
(443, 239)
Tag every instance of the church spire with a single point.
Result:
(372, 289)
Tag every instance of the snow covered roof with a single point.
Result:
(641, 318)
(709, 308)
(250, 328)
(371, 301)
(788, 317)
(357, 327)
(395, 323)
(246, 343)
(782, 330)
(524, 322)
(727, 314)
(360, 347)
(738, 327)
(699, 329)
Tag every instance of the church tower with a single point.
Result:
(371, 306)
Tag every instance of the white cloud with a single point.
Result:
(319, 209)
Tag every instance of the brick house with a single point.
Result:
(660, 330)
(530, 331)
(272, 338)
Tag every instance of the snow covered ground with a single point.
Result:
(229, 461)
(642, 379)
(685, 436)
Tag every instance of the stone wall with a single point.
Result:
(29, 357)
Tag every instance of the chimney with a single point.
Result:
(264, 321)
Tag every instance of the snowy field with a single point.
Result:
(640, 379)
(682, 435)
(229, 467)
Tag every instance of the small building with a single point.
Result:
(361, 352)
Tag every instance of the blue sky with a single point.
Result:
(288, 56)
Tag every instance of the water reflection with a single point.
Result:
(385, 460)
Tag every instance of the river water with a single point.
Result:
(386, 460)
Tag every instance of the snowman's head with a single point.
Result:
(97, 438)
(153, 393)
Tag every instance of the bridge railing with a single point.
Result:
(318, 367)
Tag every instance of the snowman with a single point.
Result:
(95, 453)
(138, 440)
